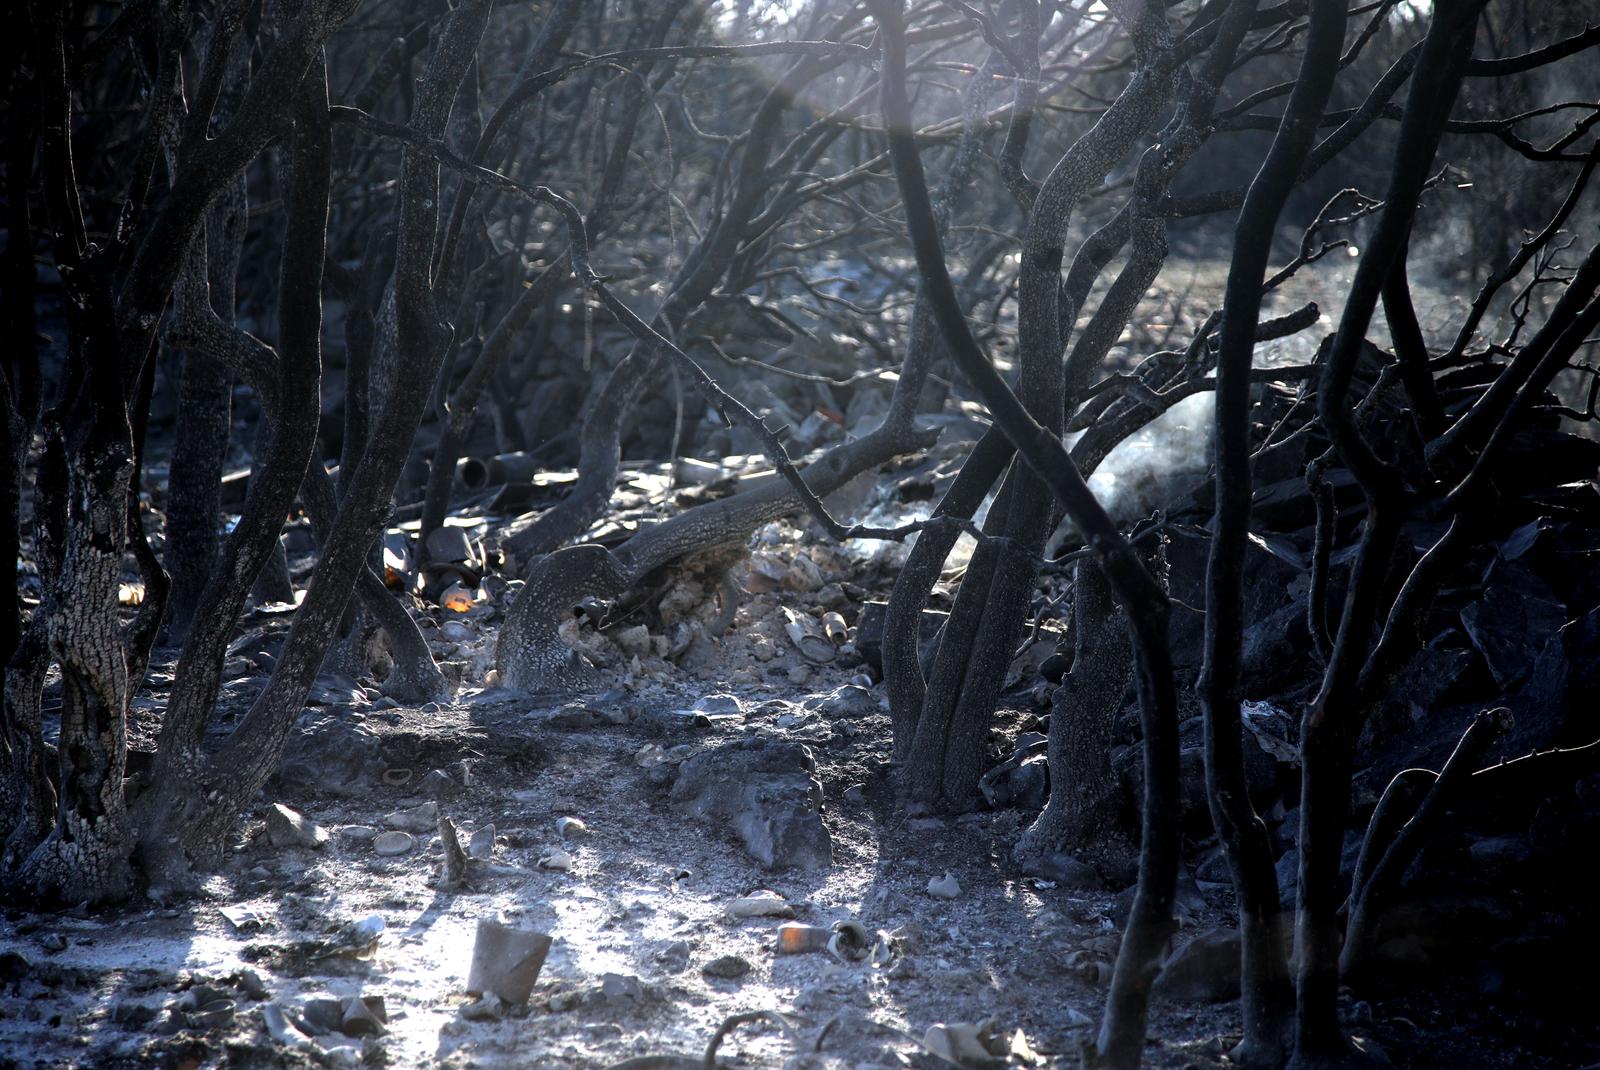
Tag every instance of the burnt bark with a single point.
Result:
(1332, 724)
(1266, 996)
(1086, 815)
(1121, 1036)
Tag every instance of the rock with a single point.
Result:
(945, 887)
(450, 544)
(852, 700)
(356, 834)
(330, 755)
(633, 640)
(761, 904)
(764, 790)
(1066, 872)
(419, 819)
(1023, 779)
(363, 1016)
(869, 631)
(802, 575)
(1517, 613)
(621, 988)
(1500, 856)
(134, 1016)
(251, 984)
(287, 827)
(389, 844)
(674, 958)
(53, 942)
(1205, 970)
(574, 716)
(457, 632)
(481, 845)
(14, 966)
(726, 967)
(486, 1008)
(571, 828)
(556, 859)
(439, 785)
(718, 705)
(1054, 667)
(766, 574)
(324, 1014)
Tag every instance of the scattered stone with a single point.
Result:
(481, 845)
(766, 574)
(324, 1014)
(571, 828)
(364, 1016)
(486, 1008)
(454, 870)
(761, 904)
(356, 834)
(765, 791)
(53, 942)
(674, 958)
(634, 640)
(718, 705)
(440, 786)
(618, 988)
(1054, 667)
(457, 631)
(14, 966)
(418, 819)
(1066, 872)
(945, 887)
(251, 984)
(244, 919)
(331, 755)
(556, 859)
(389, 844)
(1205, 970)
(802, 575)
(135, 1016)
(726, 967)
(287, 827)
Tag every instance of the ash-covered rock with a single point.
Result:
(766, 791)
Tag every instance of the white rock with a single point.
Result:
(424, 818)
(634, 640)
(390, 844)
(287, 827)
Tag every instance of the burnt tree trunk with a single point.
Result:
(1266, 998)
(1086, 815)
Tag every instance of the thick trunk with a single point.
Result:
(205, 398)
(195, 801)
(1086, 815)
(85, 854)
(902, 669)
